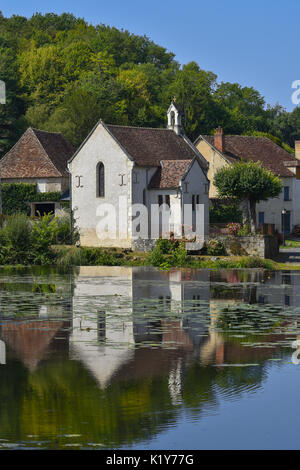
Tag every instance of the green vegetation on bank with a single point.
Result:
(48, 240)
(63, 74)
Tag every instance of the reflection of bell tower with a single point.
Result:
(174, 118)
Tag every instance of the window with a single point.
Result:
(206, 189)
(168, 200)
(286, 193)
(100, 180)
(193, 202)
(197, 199)
(144, 197)
(160, 200)
(261, 218)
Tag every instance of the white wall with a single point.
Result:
(197, 183)
(273, 207)
(101, 147)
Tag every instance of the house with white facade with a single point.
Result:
(121, 167)
(223, 150)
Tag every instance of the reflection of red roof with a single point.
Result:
(29, 340)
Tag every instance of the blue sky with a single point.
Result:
(253, 43)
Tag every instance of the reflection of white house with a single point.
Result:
(2, 352)
(103, 337)
(102, 340)
(123, 166)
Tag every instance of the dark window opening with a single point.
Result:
(286, 193)
(100, 180)
(44, 209)
(168, 200)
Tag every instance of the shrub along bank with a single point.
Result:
(47, 241)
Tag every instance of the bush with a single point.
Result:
(65, 235)
(223, 213)
(44, 232)
(167, 245)
(215, 247)
(179, 255)
(16, 235)
(156, 257)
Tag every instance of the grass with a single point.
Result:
(290, 243)
(83, 256)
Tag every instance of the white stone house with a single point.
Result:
(223, 150)
(135, 165)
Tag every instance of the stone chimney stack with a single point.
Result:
(219, 140)
(297, 149)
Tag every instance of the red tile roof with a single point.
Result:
(148, 146)
(37, 154)
(169, 174)
(261, 149)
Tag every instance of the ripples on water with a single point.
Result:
(112, 357)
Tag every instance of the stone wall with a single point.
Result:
(142, 244)
(264, 246)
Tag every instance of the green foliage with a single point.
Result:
(167, 245)
(44, 232)
(179, 255)
(167, 253)
(245, 231)
(156, 257)
(65, 234)
(16, 236)
(17, 196)
(223, 213)
(247, 180)
(63, 74)
(215, 247)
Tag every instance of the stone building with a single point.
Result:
(38, 157)
(138, 165)
(220, 150)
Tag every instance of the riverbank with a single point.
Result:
(84, 256)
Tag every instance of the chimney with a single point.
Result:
(297, 149)
(219, 140)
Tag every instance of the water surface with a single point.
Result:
(117, 357)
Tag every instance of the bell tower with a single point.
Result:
(174, 118)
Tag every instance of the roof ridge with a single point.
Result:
(46, 132)
(139, 127)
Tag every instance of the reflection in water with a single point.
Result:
(111, 357)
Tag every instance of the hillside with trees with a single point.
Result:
(63, 74)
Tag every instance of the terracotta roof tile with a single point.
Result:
(169, 174)
(37, 154)
(148, 147)
(271, 155)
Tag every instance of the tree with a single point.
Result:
(247, 181)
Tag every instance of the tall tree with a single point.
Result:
(247, 181)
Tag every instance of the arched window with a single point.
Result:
(172, 119)
(100, 180)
